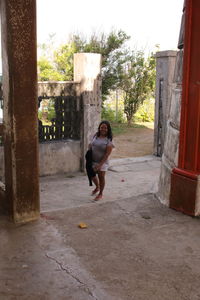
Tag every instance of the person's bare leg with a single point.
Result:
(101, 175)
(96, 182)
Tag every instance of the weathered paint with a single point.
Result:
(20, 108)
(184, 180)
(165, 65)
(59, 157)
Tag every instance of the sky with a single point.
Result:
(148, 22)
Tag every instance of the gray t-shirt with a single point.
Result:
(99, 146)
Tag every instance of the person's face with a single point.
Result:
(103, 129)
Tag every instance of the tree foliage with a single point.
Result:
(137, 82)
(47, 72)
(111, 47)
(63, 60)
(129, 71)
(113, 51)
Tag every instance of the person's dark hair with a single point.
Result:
(109, 134)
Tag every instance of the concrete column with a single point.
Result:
(87, 69)
(18, 23)
(165, 65)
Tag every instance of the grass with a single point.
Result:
(121, 128)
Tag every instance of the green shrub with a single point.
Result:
(146, 112)
(110, 115)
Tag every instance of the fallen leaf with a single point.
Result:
(82, 225)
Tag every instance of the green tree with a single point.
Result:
(46, 68)
(63, 60)
(121, 69)
(137, 80)
(114, 52)
(47, 72)
(112, 48)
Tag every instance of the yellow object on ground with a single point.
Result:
(82, 225)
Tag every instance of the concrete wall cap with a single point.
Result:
(57, 82)
(87, 53)
(166, 53)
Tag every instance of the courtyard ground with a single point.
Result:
(133, 247)
(133, 141)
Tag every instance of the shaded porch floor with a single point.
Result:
(133, 246)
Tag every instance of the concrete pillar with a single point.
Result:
(171, 143)
(165, 65)
(87, 70)
(185, 179)
(18, 23)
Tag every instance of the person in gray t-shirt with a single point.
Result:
(101, 146)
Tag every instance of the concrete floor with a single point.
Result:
(133, 248)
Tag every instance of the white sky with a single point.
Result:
(148, 22)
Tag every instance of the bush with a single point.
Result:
(146, 112)
(110, 115)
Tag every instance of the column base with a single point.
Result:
(183, 194)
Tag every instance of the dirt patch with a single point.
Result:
(135, 142)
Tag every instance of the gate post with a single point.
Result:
(18, 24)
(165, 65)
(87, 70)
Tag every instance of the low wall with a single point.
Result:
(54, 158)
(64, 156)
(58, 88)
(59, 157)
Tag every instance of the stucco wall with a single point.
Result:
(171, 145)
(87, 71)
(58, 88)
(69, 155)
(54, 158)
(59, 157)
(165, 66)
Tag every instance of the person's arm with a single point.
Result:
(108, 152)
